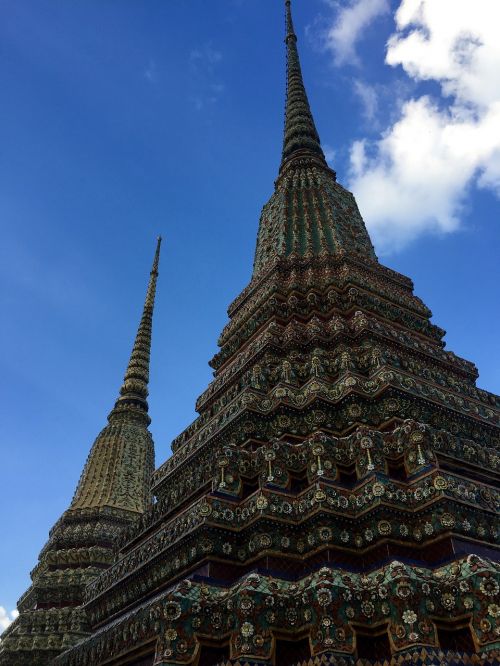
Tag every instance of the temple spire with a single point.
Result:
(301, 136)
(119, 467)
(134, 390)
(309, 214)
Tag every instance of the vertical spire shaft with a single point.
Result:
(301, 136)
(134, 390)
(290, 32)
(120, 464)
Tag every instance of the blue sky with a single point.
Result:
(123, 119)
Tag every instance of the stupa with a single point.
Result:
(335, 500)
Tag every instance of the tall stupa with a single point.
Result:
(334, 502)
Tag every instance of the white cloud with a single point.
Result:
(6, 618)
(349, 25)
(417, 176)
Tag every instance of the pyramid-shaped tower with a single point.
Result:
(113, 492)
(334, 502)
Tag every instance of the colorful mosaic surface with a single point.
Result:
(334, 502)
(113, 491)
(327, 606)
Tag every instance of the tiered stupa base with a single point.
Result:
(423, 657)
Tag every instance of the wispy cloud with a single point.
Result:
(330, 154)
(368, 96)
(351, 20)
(151, 71)
(416, 177)
(205, 58)
(6, 618)
(206, 83)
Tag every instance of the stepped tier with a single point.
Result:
(323, 358)
(402, 605)
(51, 617)
(348, 495)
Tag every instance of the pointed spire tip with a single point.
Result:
(301, 137)
(156, 259)
(290, 31)
(134, 391)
